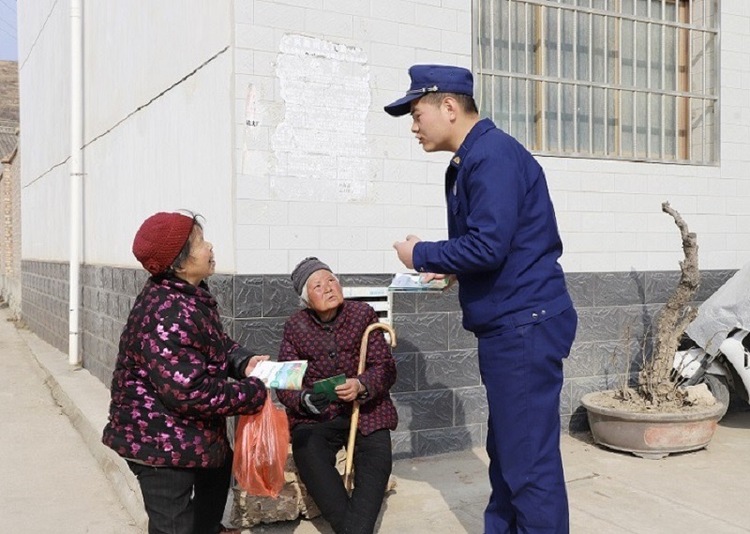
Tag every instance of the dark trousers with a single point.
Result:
(522, 370)
(182, 500)
(314, 447)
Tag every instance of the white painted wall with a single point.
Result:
(146, 151)
(609, 212)
(322, 170)
(43, 65)
(283, 144)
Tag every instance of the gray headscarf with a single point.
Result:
(303, 270)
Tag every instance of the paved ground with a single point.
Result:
(50, 481)
(57, 478)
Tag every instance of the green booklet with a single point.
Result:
(328, 386)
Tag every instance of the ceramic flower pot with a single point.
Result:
(649, 434)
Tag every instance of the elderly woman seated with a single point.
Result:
(328, 333)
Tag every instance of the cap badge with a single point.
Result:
(431, 89)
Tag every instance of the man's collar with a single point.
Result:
(475, 133)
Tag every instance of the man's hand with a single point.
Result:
(428, 277)
(252, 362)
(405, 250)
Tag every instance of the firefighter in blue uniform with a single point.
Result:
(503, 247)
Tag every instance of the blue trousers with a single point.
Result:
(522, 370)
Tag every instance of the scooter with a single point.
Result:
(725, 372)
(715, 349)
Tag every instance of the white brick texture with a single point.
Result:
(609, 212)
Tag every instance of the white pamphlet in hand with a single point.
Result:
(281, 375)
(413, 282)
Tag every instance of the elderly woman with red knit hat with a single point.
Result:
(328, 334)
(170, 390)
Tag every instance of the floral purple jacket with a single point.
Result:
(333, 348)
(170, 393)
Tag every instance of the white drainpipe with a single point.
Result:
(76, 174)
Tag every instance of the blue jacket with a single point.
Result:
(503, 240)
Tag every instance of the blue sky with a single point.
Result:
(8, 31)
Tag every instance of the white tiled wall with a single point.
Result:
(212, 142)
(403, 192)
(609, 212)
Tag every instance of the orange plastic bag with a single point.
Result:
(261, 444)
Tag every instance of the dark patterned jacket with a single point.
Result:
(333, 348)
(170, 393)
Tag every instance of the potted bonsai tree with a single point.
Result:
(657, 416)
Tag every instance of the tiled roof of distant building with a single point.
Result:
(8, 140)
(8, 107)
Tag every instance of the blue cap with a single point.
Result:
(432, 79)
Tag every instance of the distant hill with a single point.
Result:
(9, 93)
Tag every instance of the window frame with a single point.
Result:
(688, 135)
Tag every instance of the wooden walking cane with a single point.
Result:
(348, 475)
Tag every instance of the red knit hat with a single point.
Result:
(160, 239)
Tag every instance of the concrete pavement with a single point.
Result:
(50, 480)
(58, 478)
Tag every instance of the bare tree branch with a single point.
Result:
(655, 384)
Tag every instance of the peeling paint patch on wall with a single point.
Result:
(251, 104)
(320, 146)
